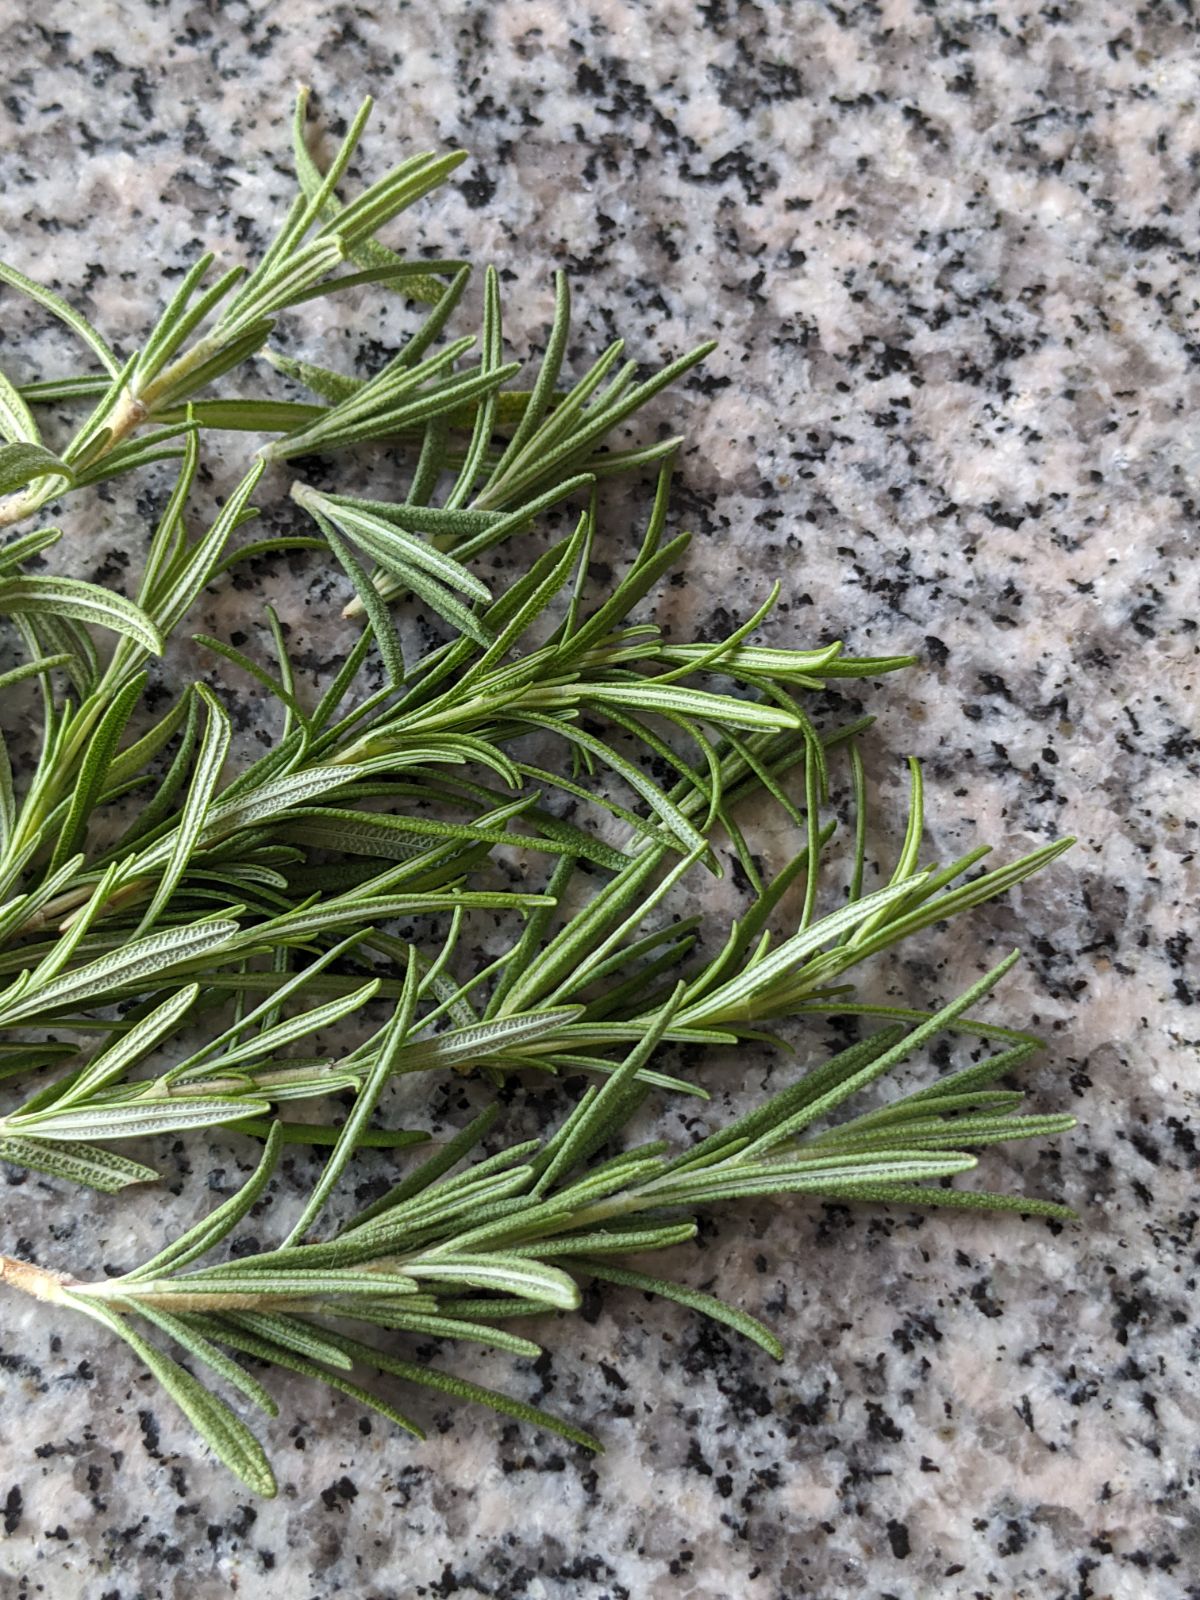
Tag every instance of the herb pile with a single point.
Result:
(167, 973)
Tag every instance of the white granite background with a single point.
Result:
(950, 253)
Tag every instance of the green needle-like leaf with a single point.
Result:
(68, 597)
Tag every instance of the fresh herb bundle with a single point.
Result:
(550, 735)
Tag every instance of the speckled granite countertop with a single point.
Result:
(950, 253)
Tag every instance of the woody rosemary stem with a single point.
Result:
(40, 1282)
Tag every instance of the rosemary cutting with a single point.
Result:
(541, 758)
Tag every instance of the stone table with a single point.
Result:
(949, 253)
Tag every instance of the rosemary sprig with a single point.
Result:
(543, 1008)
(177, 360)
(148, 405)
(456, 1256)
(137, 924)
(148, 897)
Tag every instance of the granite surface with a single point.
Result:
(950, 253)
